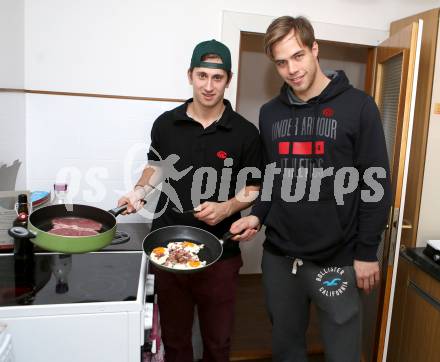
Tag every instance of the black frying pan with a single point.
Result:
(211, 252)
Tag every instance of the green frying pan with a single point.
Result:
(40, 222)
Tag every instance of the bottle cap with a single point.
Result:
(22, 199)
(60, 187)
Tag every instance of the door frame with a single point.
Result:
(234, 23)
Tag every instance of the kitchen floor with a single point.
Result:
(251, 339)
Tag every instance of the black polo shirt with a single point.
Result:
(232, 137)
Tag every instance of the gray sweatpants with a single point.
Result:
(332, 289)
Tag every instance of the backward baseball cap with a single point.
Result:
(211, 47)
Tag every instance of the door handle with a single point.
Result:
(405, 224)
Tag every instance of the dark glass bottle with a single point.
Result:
(23, 248)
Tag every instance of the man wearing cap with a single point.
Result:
(204, 132)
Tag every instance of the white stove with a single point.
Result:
(83, 307)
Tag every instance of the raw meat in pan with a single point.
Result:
(74, 226)
(79, 222)
(67, 231)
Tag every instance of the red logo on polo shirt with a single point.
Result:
(222, 155)
(328, 112)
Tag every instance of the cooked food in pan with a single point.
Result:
(178, 255)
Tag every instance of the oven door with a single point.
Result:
(82, 337)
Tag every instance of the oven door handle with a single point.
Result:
(148, 316)
(155, 335)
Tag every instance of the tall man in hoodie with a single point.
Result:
(324, 137)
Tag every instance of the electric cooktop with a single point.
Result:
(52, 278)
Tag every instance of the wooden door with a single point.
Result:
(396, 74)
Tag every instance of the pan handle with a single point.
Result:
(118, 210)
(227, 235)
(19, 232)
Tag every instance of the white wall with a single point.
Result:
(12, 43)
(138, 47)
(12, 105)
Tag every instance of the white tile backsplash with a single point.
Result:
(101, 143)
(12, 20)
(13, 133)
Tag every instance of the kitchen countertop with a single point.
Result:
(416, 256)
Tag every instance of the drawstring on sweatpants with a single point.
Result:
(297, 262)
